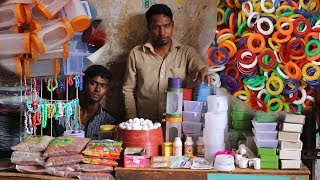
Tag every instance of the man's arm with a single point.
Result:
(196, 66)
(129, 87)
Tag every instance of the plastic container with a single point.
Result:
(187, 94)
(174, 102)
(211, 150)
(173, 129)
(12, 65)
(44, 67)
(38, 25)
(20, 1)
(11, 15)
(192, 106)
(53, 36)
(107, 131)
(216, 120)
(264, 126)
(74, 63)
(268, 135)
(77, 15)
(191, 127)
(195, 136)
(177, 147)
(48, 8)
(188, 147)
(36, 15)
(192, 116)
(241, 115)
(266, 117)
(266, 143)
(59, 52)
(214, 137)
(11, 30)
(217, 103)
(15, 43)
(241, 125)
(200, 147)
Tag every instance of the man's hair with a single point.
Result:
(158, 9)
(97, 70)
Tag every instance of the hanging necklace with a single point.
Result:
(50, 86)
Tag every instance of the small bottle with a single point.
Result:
(188, 147)
(200, 147)
(177, 147)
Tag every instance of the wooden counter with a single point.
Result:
(122, 173)
(18, 175)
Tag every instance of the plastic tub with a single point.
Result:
(77, 15)
(214, 137)
(266, 117)
(192, 116)
(266, 143)
(11, 15)
(241, 125)
(15, 43)
(53, 36)
(264, 126)
(268, 135)
(193, 106)
(191, 127)
(46, 67)
(59, 52)
(241, 115)
(49, 8)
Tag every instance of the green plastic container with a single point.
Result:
(269, 165)
(242, 125)
(266, 117)
(241, 115)
(272, 158)
(267, 151)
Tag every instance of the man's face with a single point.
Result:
(161, 29)
(96, 88)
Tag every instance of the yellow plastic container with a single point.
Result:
(107, 131)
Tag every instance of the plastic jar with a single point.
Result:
(106, 131)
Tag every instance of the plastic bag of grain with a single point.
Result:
(64, 146)
(33, 144)
(64, 160)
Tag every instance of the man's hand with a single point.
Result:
(203, 73)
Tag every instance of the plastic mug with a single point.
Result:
(257, 163)
(243, 163)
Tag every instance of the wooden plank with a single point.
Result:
(18, 175)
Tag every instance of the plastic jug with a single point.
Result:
(48, 8)
(44, 67)
(12, 65)
(59, 52)
(173, 128)
(52, 36)
(12, 15)
(77, 15)
(15, 43)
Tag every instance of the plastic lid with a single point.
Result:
(169, 119)
(68, 27)
(44, 11)
(37, 42)
(65, 50)
(28, 14)
(17, 28)
(18, 66)
(26, 67)
(35, 25)
(27, 42)
(20, 13)
(107, 127)
(80, 23)
(33, 52)
(57, 68)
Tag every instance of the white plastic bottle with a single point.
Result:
(188, 147)
(177, 147)
(200, 147)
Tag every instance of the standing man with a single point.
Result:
(150, 65)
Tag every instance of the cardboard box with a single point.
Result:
(135, 157)
(289, 136)
(295, 118)
(290, 127)
(289, 154)
(291, 164)
(267, 151)
(295, 146)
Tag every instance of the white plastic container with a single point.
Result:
(174, 102)
(214, 137)
(216, 120)
(258, 126)
(44, 67)
(38, 25)
(192, 116)
(291, 164)
(191, 127)
(177, 147)
(53, 36)
(36, 15)
(11, 15)
(188, 147)
(15, 43)
(48, 8)
(12, 65)
(211, 150)
(59, 52)
(266, 143)
(20, 1)
(268, 135)
(11, 30)
(192, 106)
(289, 136)
(291, 127)
(173, 129)
(77, 15)
(286, 154)
(294, 146)
(217, 103)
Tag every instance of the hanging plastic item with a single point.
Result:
(21, 1)
(61, 52)
(12, 65)
(15, 43)
(48, 8)
(52, 36)
(36, 15)
(77, 15)
(44, 67)
(38, 25)
(11, 30)
(12, 15)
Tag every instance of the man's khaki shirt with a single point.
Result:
(146, 77)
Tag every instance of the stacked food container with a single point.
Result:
(265, 132)
(192, 119)
(290, 143)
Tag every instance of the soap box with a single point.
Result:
(135, 157)
(290, 164)
(266, 158)
(269, 165)
(290, 127)
(294, 118)
(285, 145)
(287, 154)
(288, 136)
(267, 151)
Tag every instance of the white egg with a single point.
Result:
(129, 127)
(142, 123)
(150, 124)
(145, 127)
(130, 120)
(157, 124)
(135, 119)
